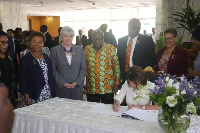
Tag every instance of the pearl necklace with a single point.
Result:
(37, 57)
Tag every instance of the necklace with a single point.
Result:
(37, 57)
(67, 51)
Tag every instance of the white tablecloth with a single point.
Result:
(72, 116)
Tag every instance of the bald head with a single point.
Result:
(98, 39)
(134, 26)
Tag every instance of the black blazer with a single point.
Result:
(31, 76)
(55, 42)
(110, 39)
(48, 42)
(144, 53)
(83, 40)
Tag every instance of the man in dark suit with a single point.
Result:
(56, 39)
(48, 42)
(89, 40)
(108, 37)
(81, 39)
(141, 52)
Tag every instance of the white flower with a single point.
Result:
(143, 94)
(190, 86)
(195, 92)
(171, 101)
(181, 78)
(183, 92)
(190, 108)
(177, 93)
(167, 79)
(176, 85)
(170, 82)
(151, 85)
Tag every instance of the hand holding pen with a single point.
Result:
(116, 105)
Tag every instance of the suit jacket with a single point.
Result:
(55, 41)
(31, 76)
(110, 39)
(143, 55)
(83, 40)
(48, 42)
(178, 61)
(65, 73)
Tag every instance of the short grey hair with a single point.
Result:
(66, 30)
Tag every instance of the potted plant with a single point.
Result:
(187, 19)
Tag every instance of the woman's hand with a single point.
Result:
(70, 86)
(193, 73)
(135, 106)
(27, 100)
(116, 105)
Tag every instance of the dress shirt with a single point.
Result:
(130, 94)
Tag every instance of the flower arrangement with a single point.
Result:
(176, 97)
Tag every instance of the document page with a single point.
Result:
(145, 115)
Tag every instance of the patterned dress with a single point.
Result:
(45, 92)
(102, 69)
(162, 64)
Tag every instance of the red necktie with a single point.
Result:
(128, 53)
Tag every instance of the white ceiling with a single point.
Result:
(50, 7)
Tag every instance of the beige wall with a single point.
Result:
(13, 15)
(52, 22)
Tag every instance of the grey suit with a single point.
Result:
(65, 73)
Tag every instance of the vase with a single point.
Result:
(176, 123)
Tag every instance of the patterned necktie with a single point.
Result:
(128, 53)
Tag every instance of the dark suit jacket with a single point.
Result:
(31, 76)
(55, 41)
(178, 61)
(110, 39)
(83, 40)
(48, 42)
(143, 55)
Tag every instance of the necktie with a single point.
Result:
(128, 53)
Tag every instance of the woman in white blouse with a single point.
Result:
(135, 77)
(69, 66)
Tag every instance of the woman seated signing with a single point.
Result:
(172, 59)
(135, 77)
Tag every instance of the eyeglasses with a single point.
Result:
(168, 39)
(4, 42)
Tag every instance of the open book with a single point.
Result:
(145, 115)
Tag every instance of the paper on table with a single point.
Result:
(106, 109)
(145, 115)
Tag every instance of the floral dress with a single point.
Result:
(162, 64)
(45, 92)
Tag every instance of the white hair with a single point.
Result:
(66, 30)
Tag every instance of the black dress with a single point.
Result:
(7, 76)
